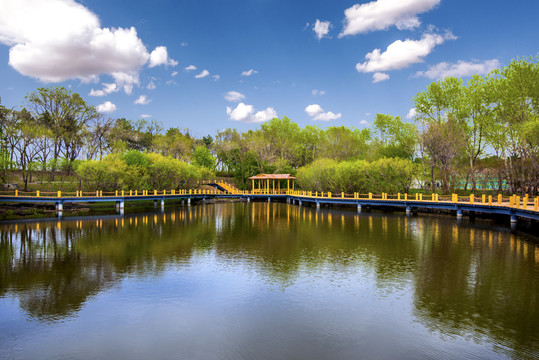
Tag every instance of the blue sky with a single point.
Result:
(215, 64)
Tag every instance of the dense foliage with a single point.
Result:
(464, 134)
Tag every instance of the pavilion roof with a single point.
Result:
(272, 177)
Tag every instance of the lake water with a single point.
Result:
(267, 281)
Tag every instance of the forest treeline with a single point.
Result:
(462, 134)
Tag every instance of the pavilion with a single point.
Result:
(271, 183)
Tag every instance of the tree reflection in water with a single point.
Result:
(471, 281)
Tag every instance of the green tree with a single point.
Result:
(202, 157)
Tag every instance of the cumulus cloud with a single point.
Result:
(234, 96)
(151, 85)
(142, 100)
(246, 113)
(364, 122)
(401, 54)
(107, 89)
(460, 69)
(57, 40)
(203, 74)
(106, 107)
(316, 92)
(145, 116)
(216, 77)
(159, 56)
(190, 68)
(411, 113)
(317, 113)
(174, 73)
(321, 28)
(379, 77)
(249, 72)
(381, 14)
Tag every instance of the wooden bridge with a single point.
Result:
(513, 207)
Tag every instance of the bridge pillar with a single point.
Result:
(155, 204)
(269, 199)
(162, 203)
(60, 206)
(459, 213)
(408, 211)
(318, 204)
(359, 208)
(248, 199)
(300, 202)
(513, 219)
(189, 202)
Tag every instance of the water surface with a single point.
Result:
(267, 281)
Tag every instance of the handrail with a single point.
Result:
(514, 201)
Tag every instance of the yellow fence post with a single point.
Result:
(329, 194)
(101, 193)
(517, 201)
(116, 193)
(37, 193)
(499, 199)
(483, 198)
(454, 197)
(122, 193)
(342, 195)
(420, 197)
(536, 204)
(16, 193)
(405, 196)
(59, 194)
(490, 200)
(370, 196)
(472, 198)
(416, 196)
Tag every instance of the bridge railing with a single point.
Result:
(520, 202)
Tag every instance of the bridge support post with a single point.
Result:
(189, 202)
(513, 219)
(155, 204)
(359, 208)
(162, 203)
(408, 211)
(318, 204)
(269, 199)
(60, 206)
(248, 199)
(459, 213)
(300, 202)
(120, 204)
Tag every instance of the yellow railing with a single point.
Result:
(520, 202)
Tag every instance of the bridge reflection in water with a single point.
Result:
(466, 281)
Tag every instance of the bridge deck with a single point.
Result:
(409, 205)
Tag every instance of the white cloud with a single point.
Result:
(460, 69)
(216, 77)
(317, 113)
(246, 113)
(379, 77)
(364, 122)
(401, 54)
(159, 56)
(411, 113)
(171, 82)
(107, 89)
(234, 96)
(174, 73)
(316, 92)
(203, 74)
(190, 67)
(106, 107)
(145, 116)
(321, 28)
(151, 85)
(126, 80)
(381, 14)
(184, 44)
(143, 100)
(57, 40)
(249, 72)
